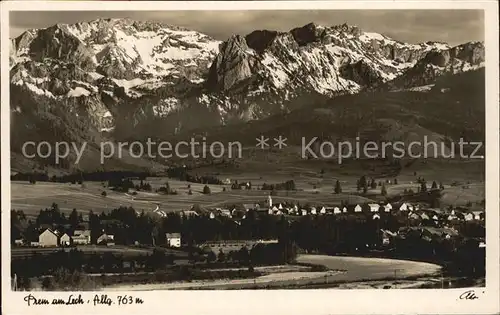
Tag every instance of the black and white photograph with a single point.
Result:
(277, 149)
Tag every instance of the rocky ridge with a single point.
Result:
(122, 78)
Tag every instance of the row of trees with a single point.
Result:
(288, 185)
(181, 173)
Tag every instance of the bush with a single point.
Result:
(104, 194)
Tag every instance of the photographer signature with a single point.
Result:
(468, 295)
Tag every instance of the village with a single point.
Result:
(429, 222)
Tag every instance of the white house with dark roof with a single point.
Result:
(469, 216)
(388, 207)
(404, 207)
(374, 207)
(81, 237)
(65, 240)
(173, 239)
(358, 208)
(48, 239)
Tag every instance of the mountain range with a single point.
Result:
(124, 79)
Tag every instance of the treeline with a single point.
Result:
(288, 185)
(101, 176)
(77, 261)
(181, 173)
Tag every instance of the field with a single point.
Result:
(314, 180)
(342, 270)
(19, 252)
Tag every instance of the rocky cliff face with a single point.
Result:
(125, 78)
(455, 60)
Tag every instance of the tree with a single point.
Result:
(395, 181)
(338, 189)
(441, 186)
(383, 190)
(104, 194)
(206, 190)
(211, 257)
(74, 219)
(423, 186)
(373, 184)
(363, 182)
(434, 185)
(190, 192)
(221, 257)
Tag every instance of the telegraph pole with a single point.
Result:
(14, 286)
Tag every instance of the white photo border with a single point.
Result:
(321, 301)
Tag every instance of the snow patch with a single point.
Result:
(77, 92)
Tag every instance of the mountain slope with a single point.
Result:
(123, 79)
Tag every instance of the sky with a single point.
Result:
(412, 26)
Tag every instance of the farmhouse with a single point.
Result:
(357, 209)
(373, 207)
(19, 241)
(388, 207)
(173, 239)
(81, 237)
(106, 239)
(65, 240)
(404, 207)
(469, 217)
(48, 239)
(233, 245)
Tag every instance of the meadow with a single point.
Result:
(314, 180)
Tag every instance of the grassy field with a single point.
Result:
(314, 180)
(18, 252)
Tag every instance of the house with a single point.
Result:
(452, 216)
(336, 210)
(303, 211)
(424, 216)
(225, 212)
(478, 215)
(376, 216)
(212, 215)
(388, 207)
(344, 210)
(48, 239)
(81, 237)
(250, 206)
(65, 240)
(106, 239)
(227, 246)
(469, 216)
(313, 210)
(173, 239)
(404, 207)
(357, 209)
(373, 207)
(19, 242)
(386, 236)
(413, 215)
(190, 213)
(323, 210)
